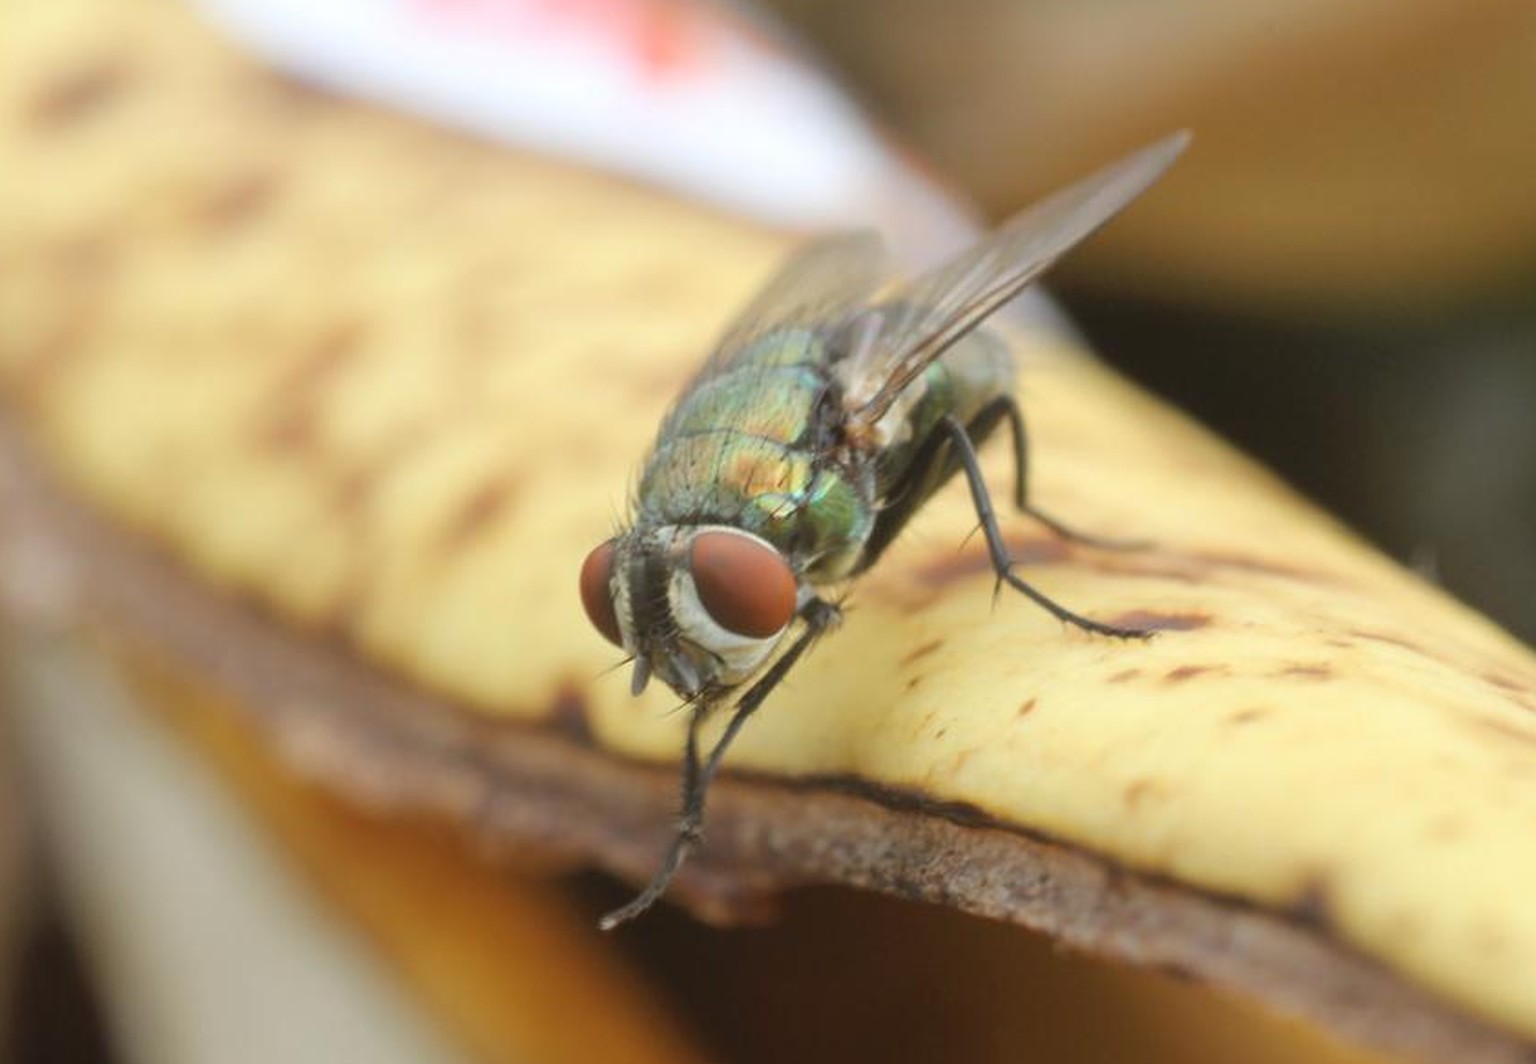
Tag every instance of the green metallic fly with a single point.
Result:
(827, 414)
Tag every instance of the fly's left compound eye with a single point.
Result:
(744, 584)
(596, 598)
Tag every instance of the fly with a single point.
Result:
(827, 414)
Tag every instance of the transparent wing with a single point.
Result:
(920, 321)
(817, 287)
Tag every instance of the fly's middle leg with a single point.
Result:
(964, 452)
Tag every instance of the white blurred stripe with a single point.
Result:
(678, 93)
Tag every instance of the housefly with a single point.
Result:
(827, 414)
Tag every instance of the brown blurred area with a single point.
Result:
(1350, 156)
(1338, 276)
(15, 895)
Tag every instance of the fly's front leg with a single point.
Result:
(965, 453)
(818, 616)
(689, 828)
(1015, 416)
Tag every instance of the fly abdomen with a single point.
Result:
(970, 375)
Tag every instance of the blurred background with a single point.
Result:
(1340, 276)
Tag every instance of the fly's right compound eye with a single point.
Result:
(596, 596)
(744, 585)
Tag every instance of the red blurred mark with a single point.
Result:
(664, 39)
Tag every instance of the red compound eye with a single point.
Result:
(596, 599)
(744, 585)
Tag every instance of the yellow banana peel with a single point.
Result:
(338, 404)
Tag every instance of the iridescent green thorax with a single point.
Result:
(755, 446)
(749, 447)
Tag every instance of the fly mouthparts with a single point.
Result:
(640, 677)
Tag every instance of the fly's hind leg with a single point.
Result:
(1010, 409)
(964, 452)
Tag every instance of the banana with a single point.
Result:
(333, 405)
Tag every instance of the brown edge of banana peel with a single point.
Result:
(551, 787)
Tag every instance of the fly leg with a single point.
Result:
(965, 453)
(1015, 416)
(689, 829)
(818, 616)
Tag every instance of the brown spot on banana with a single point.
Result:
(922, 651)
(76, 95)
(239, 201)
(1156, 621)
(489, 504)
(287, 422)
(1318, 670)
(1252, 715)
(1189, 672)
